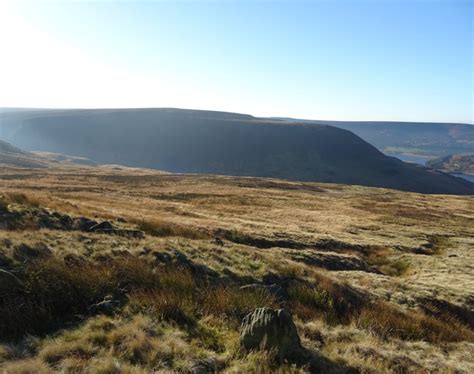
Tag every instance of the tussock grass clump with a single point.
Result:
(54, 293)
(261, 362)
(137, 342)
(445, 310)
(181, 303)
(310, 302)
(384, 261)
(438, 244)
(132, 273)
(51, 293)
(22, 199)
(165, 304)
(30, 366)
(173, 299)
(3, 205)
(384, 321)
(324, 297)
(58, 350)
(157, 227)
(234, 302)
(7, 352)
(340, 304)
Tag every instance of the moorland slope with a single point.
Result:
(11, 156)
(137, 271)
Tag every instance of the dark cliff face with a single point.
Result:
(221, 143)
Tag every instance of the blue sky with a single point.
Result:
(341, 60)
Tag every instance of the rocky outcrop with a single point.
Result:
(39, 218)
(271, 330)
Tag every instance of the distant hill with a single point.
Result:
(410, 141)
(11, 156)
(65, 159)
(454, 164)
(15, 157)
(191, 141)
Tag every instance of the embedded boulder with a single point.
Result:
(271, 330)
(107, 227)
(106, 306)
(84, 224)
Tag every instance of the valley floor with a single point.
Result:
(376, 280)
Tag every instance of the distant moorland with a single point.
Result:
(227, 143)
(463, 163)
(411, 141)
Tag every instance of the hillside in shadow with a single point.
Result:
(189, 141)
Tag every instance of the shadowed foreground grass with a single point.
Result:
(161, 306)
(55, 293)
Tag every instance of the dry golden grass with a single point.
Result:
(162, 228)
(386, 321)
(416, 248)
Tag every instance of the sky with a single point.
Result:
(403, 60)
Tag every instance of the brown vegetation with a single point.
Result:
(92, 302)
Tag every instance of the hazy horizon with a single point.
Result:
(230, 111)
(334, 61)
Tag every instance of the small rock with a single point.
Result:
(25, 253)
(84, 224)
(145, 251)
(66, 221)
(206, 366)
(162, 257)
(181, 258)
(219, 242)
(271, 330)
(106, 225)
(106, 306)
(131, 234)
